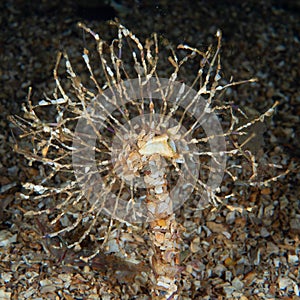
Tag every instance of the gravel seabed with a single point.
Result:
(246, 249)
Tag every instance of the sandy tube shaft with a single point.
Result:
(164, 230)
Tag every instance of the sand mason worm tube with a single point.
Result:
(154, 170)
(165, 231)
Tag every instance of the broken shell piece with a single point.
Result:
(159, 189)
(168, 255)
(134, 161)
(195, 245)
(7, 238)
(164, 208)
(159, 237)
(158, 145)
(154, 181)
